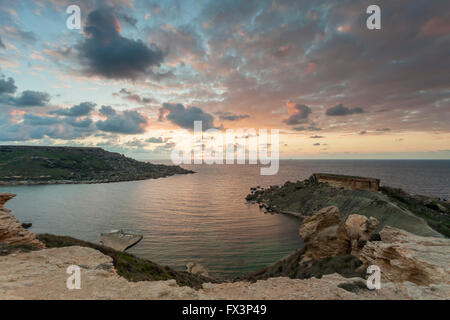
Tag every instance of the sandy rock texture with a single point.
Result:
(119, 240)
(403, 256)
(43, 275)
(197, 268)
(11, 230)
(324, 234)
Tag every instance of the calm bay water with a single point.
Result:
(204, 217)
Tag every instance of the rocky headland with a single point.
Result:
(421, 215)
(68, 165)
(332, 264)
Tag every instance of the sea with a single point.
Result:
(203, 217)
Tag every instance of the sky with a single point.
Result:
(139, 73)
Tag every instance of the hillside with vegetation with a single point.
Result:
(44, 165)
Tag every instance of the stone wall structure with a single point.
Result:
(349, 182)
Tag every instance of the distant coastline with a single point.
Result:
(37, 165)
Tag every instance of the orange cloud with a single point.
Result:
(310, 68)
(436, 27)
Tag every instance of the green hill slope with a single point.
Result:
(35, 165)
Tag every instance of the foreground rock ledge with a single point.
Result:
(120, 240)
(11, 231)
(42, 275)
(403, 256)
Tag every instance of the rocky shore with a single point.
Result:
(421, 215)
(331, 265)
(33, 165)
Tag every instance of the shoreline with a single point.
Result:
(54, 182)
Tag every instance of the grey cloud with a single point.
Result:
(108, 54)
(300, 116)
(155, 140)
(306, 128)
(126, 122)
(2, 45)
(107, 111)
(229, 116)
(82, 109)
(7, 86)
(132, 21)
(184, 117)
(83, 123)
(38, 127)
(35, 120)
(131, 96)
(341, 110)
(30, 98)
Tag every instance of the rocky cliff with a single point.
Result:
(12, 233)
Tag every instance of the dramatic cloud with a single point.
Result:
(300, 114)
(35, 120)
(30, 98)
(108, 54)
(107, 111)
(83, 123)
(229, 116)
(133, 97)
(126, 122)
(341, 110)
(129, 19)
(317, 137)
(185, 117)
(245, 58)
(36, 126)
(82, 109)
(7, 86)
(27, 98)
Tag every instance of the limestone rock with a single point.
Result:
(5, 197)
(43, 275)
(11, 230)
(324, 234)
(197, 268)
(120, 240)
(403, 256)
(359, 229)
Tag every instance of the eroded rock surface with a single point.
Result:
(120, 240)
(43, 275)
(403, 256)
(197, 268)
(11, 231)
(359, 228)
(324, 234)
